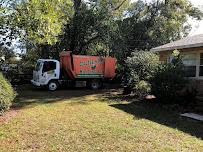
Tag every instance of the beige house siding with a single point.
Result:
(164, 55)
(196, 81)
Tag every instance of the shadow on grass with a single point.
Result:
(156, 113)
(29, 96)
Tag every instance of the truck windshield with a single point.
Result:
(38, 66)
(49, 66)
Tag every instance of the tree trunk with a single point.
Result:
(45, 51)
(73, 42)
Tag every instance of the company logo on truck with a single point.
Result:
(93, 67)
(91, 62)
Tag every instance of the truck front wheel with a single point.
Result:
(52, 86)
(95, 84)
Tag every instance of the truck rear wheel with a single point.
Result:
(95, 84)
(52, 86)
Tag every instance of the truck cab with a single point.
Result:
(46, 73)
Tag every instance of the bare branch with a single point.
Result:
(116, 8)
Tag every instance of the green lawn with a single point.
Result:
(82, 120)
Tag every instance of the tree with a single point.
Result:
(91, 25)
(39, 21)
(36, 22)
(154, 24)
(113, 27)
(3, 21)
(6, 53)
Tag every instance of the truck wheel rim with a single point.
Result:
(94, 85)
(52, 86)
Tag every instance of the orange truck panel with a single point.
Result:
(65, 61)
(82, 66)
(110, 64)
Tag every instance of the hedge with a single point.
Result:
(7, 94)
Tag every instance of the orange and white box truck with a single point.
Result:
(73, 70)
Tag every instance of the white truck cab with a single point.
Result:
(46, 73)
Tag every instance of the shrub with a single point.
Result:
(164, 80)
(142, 66)
(7, 94)
(119, 73)
(169, 82)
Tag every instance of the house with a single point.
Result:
(191, 50)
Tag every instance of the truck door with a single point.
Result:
(49, 70)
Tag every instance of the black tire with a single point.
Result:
(95, 84)
(52, 85)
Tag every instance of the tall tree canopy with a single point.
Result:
(97, 26)
(152, 24)
(92, 22)
(40, 21)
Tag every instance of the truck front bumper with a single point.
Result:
(35, 83)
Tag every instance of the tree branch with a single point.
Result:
(77, 4)
(90, 40)
(116, 8)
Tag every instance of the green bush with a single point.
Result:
(169, 82)
(142, 66)
(164, 80)
(7, 94)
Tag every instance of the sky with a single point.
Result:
(197, 26)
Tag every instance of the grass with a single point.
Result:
(82, 120)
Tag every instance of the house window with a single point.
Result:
(189, 60)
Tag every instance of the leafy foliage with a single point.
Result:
(142, 66)
(152, 24)
(7, 94)
(6, 53)
(96, 27)
(164, 80)
(91, 26)
(167, 82)
(40, 21)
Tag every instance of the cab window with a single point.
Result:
(38, 66)
(49, 66)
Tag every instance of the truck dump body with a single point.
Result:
(82, 66)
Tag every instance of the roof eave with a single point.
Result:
(159, 49)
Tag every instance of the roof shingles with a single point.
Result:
(188, 42)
